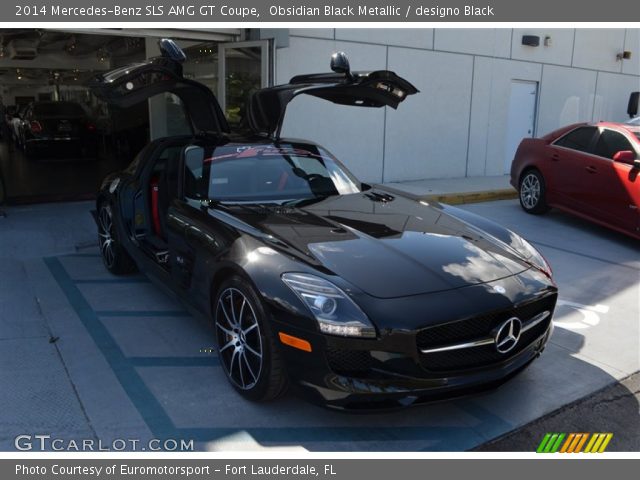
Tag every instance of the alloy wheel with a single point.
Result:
(530, 191)
(239, 339)
(105, 236)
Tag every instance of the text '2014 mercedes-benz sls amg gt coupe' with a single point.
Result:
(358, 296)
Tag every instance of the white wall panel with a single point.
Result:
(312, 32)
(612, 96)
(490, 104)
(402, 37)
(632, 43)
(493, 42)
(597, 48)
(559, 52)
(427, 136)
(355, 135)
(566, 97)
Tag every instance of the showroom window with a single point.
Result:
(243, 68)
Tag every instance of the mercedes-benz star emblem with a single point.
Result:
(508, 335)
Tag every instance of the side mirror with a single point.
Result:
(625, 156)
(340, 64)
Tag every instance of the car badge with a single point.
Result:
(508, 335)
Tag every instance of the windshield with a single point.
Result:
(264, 173)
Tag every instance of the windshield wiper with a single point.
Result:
(209, 203)
(303, 202)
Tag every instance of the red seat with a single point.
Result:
(155, 211)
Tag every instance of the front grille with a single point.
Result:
(477, 328)
(349, 362)
(479, 356)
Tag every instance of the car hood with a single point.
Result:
(392, 248)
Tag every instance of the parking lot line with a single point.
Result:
(180, 391)
(585, 255)
(446, 437)
(110, 280)
(146, 403)
(175, 361)
(142, 313)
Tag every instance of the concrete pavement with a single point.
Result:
(613, 409)
(128, 362)
(455, 191)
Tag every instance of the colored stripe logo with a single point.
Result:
(574, 443)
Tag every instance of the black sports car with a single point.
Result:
(360, 296)
(57, 128)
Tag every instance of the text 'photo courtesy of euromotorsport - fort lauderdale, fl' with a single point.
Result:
(182, 471)
(319, 239)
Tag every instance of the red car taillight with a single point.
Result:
(35, 127)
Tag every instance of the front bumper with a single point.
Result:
(384, 389)
(392, 370)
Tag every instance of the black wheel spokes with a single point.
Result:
(239, 340)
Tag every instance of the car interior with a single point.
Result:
(255, 178)
(163, 187)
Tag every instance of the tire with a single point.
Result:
(247, 350)
(532, 193)
(113, 254)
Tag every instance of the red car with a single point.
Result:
(589, 170)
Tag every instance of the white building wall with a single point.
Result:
(558, 52)
(354, 135)
(403, 37)
(596, 49)
(632, 43)
(566, 96)
(613, 107)
(456, 125)
(413, 146)
(478, 41)
(487, 133)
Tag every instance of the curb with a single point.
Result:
(474, 197)
(458, 198)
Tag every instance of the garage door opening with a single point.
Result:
(57, 140)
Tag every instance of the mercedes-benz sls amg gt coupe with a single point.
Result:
(358, 296)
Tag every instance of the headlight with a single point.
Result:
(534, 257)
(335, 312)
